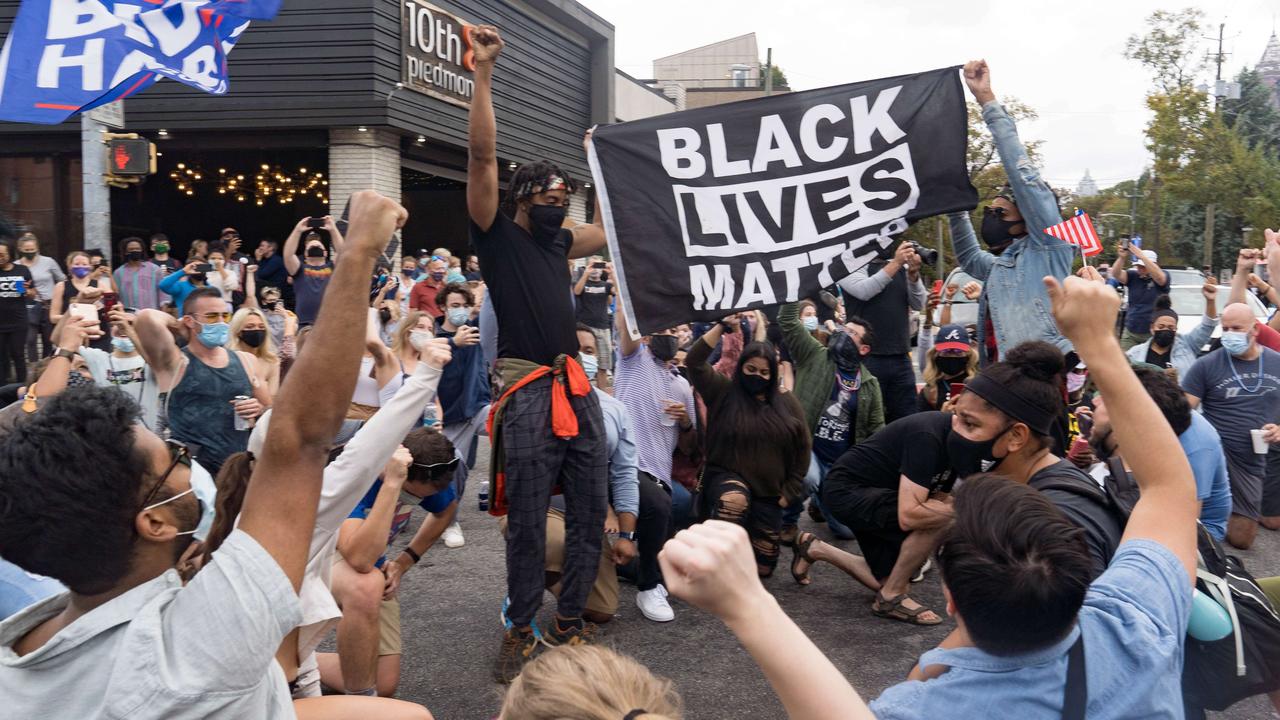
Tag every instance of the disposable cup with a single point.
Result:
(1260, 445)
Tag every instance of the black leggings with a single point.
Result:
(729, 498)
(653, 526)
(12, 348)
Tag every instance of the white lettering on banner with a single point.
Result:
(680, 148)
(52, 61)
(759, 284)
(767, 216)
(128, 15)
(174, 39)
(65, 19)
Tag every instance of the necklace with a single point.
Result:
(1240, 382)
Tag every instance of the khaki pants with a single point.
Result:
(389, 628)
(1128, 339)
(603, 597)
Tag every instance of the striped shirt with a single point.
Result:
(644, 385)
(139, 286)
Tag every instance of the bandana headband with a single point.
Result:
(541, 185)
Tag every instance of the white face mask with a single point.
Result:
(419, 339)
(206, 491)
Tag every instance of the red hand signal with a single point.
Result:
(121, 157)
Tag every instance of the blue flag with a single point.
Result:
(65, 56)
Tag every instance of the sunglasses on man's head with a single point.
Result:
(213, 317)
(993, 210)
(437, 467)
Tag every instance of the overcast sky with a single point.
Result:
(1064, 59)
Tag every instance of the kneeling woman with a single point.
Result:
(757, 444)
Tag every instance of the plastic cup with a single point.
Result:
(664, 418)
(1260, 445)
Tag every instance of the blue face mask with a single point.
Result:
(458, 316)
(123, 344)
(1235, 343)
(206, 492)
(590, 364)
(810, 323)
(214, 334)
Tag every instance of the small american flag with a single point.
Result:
(1078, 231)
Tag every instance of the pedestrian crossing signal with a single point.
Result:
(130, 156)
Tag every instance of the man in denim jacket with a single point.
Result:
(1014, 303)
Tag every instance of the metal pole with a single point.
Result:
(942, 253)
(1208, 234)
(768, 72)
(97, 196)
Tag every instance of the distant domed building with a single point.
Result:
(1087, 187)
(1269, 68)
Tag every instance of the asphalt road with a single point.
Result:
(450, 606)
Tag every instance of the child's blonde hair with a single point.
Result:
(588, 682)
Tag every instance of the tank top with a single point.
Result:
(200, 410)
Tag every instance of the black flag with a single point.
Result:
(765, 201)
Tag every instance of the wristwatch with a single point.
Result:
(65, 353)
(626, 535)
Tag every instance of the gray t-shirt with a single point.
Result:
(162, 650)
(45, 273)
(1237, 396)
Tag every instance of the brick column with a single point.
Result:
(362, 161)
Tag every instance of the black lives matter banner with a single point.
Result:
(766, 201)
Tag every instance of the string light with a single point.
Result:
(285, 185)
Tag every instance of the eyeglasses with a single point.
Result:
(181, 455)
(213, 317)
(433, 467)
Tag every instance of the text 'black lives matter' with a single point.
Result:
(766, 201)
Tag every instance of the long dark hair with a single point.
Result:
(747, 420)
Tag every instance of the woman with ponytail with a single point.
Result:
(758, 444)
(1006, 423)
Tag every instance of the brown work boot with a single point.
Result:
(570, 632)
(518, 648)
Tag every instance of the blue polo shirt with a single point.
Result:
(434, 504)
(1134, 621)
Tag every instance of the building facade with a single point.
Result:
(331, 97)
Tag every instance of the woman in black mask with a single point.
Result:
(1005, 422)
(758, 444)
(949, 363)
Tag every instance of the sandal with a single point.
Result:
(801, 553)
(896, 610)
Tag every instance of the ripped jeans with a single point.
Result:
(729, 498)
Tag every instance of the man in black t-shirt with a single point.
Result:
(523, 250)
(892, 490)
(594, 290)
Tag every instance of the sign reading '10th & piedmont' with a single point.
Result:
(438, 59)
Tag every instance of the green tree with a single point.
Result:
(1252, 116)
(779, 77)
(1170, 49)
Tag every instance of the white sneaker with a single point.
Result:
(653, 605)
(926, 567)
(453, 536)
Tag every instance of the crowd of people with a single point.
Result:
(186, 429)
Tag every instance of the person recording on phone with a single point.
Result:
(881, 292)
(311, 275)
(594, 292)
(87, 285)
(1145, 281)
(181, 284)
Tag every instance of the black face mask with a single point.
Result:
(1164, 338)
(844, 351)
(995, 232)
(970, 456)
(253, 338)
(663, 347)
(385, 315)
(133, 257)
(951, 366)
(27, 255)
(546, 222)
(754, 384)
(315, 251)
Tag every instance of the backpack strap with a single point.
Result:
(1075, 695)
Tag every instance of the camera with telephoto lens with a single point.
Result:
(928, 256)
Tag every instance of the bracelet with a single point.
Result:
(409, 551)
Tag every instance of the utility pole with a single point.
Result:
(942, 252)
(1155, 214)
(1133, 209)
(1219, 92)
(1208, 235)
(97, 197)
(768, 72)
